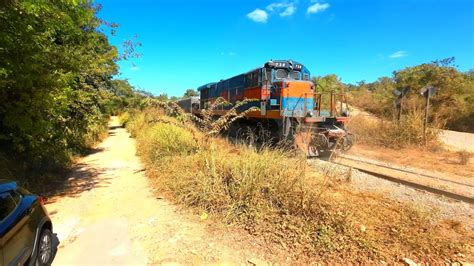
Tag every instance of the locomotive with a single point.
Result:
(290, 108)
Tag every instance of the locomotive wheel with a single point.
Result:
(311, 144)
(321, 141)
(347, 143)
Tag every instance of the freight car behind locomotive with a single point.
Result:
(190, 105)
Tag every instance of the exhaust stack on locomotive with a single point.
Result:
(289, 105)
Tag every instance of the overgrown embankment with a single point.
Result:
(273, 195)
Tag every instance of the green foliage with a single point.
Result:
(162, 97)
(205, 122)
(163, 140)
(452, 105)
(190, 93)
(328, 83)
(56, 87)
(326, 86)
(454, 101)
(376, 97)
(121, 96)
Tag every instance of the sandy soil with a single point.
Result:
(108, 215)
(457, 141)
(442, 162)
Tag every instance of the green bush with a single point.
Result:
(452, 106)
(162, 140)
(124, 118)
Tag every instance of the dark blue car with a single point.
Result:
(26, 231)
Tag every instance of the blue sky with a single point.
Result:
(186, 44)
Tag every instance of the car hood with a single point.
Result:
(7, 185)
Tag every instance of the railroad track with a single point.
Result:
(454, 189)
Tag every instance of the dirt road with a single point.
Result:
(109, 215)
(458, 141)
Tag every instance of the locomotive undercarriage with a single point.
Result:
(318, 138)
(313, 139)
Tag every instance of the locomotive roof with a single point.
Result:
(206, 86)
(271, 64)
(291, 62)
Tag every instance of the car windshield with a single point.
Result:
(7, 205)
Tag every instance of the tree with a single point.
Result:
(453, 98)
(174, 99)
(162, 97)
(190, 93)
(56, 80)
(328, 83)
(452, 105)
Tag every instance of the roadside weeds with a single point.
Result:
(274, 196)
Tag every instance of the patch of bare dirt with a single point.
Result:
(440, 161)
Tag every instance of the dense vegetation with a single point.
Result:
(452, 106)
(56, 82)
(309, 215)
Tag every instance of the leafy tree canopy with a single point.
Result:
(453, 103)
(190, 93)
(56, 80)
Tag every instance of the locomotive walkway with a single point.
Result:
(109, 215)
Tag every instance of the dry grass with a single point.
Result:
(206, 122)
(274, 196)
(393, 134)
(124, 118)
(464, 157)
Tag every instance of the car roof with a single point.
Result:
(7, 185)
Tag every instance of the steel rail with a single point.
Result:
(415, 185)
(405, 171)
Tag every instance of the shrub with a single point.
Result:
(394, 134)
(124, 118)
(161, 140)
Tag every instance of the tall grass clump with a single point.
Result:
(394, 134)
(162, 140)
(124, 118)
(272, 194)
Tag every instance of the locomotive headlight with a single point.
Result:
(310, 113)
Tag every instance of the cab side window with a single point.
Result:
(7, 205)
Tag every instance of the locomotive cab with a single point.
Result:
(289, 88)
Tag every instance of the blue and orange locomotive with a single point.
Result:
(289, 105)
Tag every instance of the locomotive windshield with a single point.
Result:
(295, 75)
(287, 74)
(291, 70)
